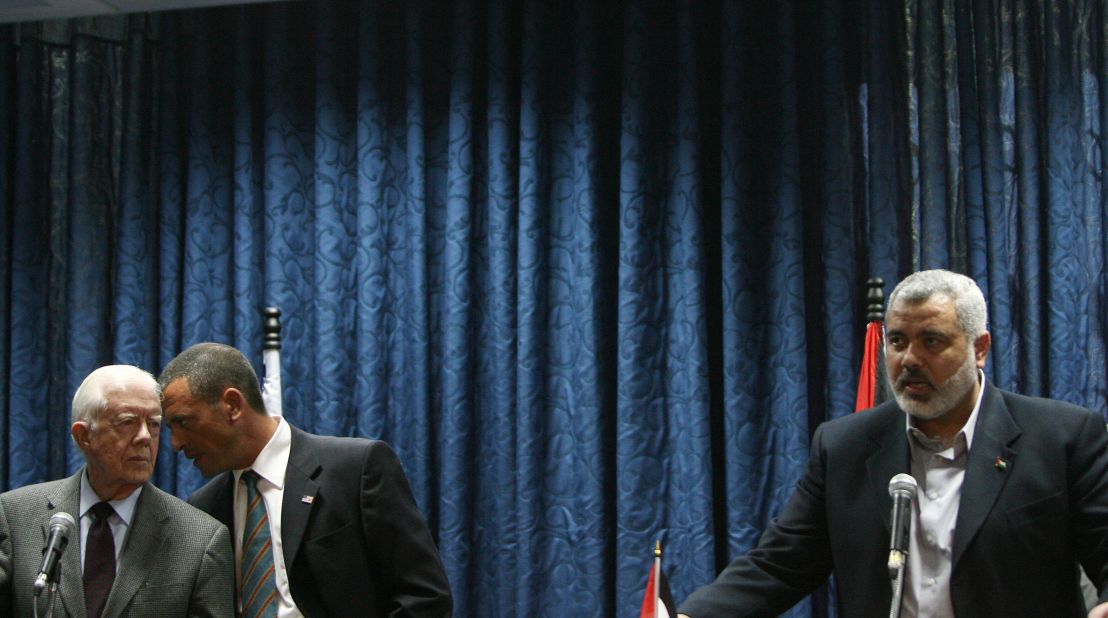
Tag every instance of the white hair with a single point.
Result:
(91, 397)
(969, 302)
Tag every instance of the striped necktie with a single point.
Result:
(258, 590)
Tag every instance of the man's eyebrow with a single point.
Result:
(932, 332)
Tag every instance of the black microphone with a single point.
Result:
(902, 488)
(62, 526)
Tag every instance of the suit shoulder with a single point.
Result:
(346, 448)
(30, 500)
(31, 492)
(208, 494)
(1048, 412)
(341, 442)
(862, 424)
(183, 513)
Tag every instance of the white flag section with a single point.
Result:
(658, 601)
(271, 384)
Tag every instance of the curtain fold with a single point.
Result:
(595, 270)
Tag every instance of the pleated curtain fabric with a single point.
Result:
(595, 270)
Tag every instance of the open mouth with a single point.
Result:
(915, 385)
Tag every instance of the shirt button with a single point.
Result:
(930, 538)
(933, 495)
(930, 582)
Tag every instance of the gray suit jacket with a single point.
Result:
(177, 561)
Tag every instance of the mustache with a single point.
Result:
(913, 374)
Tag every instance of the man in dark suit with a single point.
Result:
(160, 556)
(332, 528)
(1013, 490)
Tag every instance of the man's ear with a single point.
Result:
(80, 433)
(235, 403)
(981, 347)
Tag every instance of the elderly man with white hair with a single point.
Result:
(135, 550)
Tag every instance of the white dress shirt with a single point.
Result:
(939, 472)
(270, 466)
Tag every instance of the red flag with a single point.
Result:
(871, 368)
(658, 600)
(873, 388)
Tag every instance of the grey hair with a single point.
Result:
(969, 302)
(91, 398)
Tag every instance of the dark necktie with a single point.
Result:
(259, 590)
(99, 560)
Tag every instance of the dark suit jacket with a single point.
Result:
(176, 561)
(1018, 538)
(355, 543)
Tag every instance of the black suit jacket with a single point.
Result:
(354, 541)
(1022, 528)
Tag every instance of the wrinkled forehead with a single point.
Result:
(935, 316)
(912, 310)
(133, 398)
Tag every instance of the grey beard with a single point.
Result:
(947, 395)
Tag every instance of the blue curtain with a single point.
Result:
(594, 269)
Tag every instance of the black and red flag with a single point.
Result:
(872, 386)
(658, 601)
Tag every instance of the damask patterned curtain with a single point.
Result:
(595, 269)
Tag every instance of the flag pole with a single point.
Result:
(271, 358)
(657, 573)
(658, 600)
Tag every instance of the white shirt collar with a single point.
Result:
(271, 462)
(124, 508)
(971, 422)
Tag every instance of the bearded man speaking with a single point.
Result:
(1012, 491)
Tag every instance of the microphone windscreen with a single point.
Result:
(904, 484)
(64, 520)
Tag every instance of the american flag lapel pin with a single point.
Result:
(307, 499)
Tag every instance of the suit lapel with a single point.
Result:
(300, 494)
(890, 458)
(67, 499)
(993, 437)
(222, 507)
(147, 532)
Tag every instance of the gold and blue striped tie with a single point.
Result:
(258, 590)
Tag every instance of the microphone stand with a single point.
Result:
(54, 579)
(896, 572)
